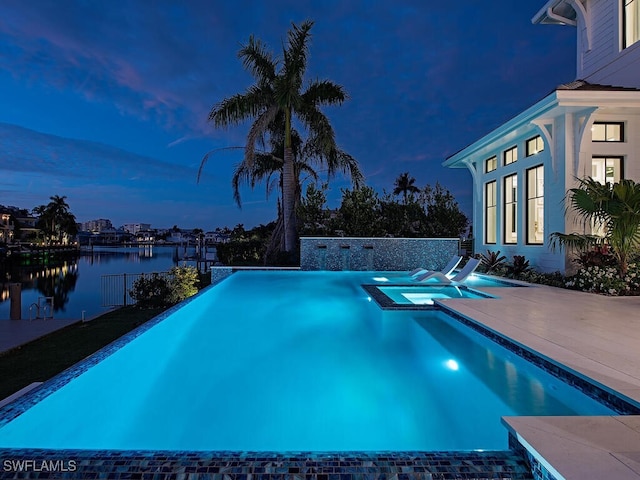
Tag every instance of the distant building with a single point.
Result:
(6, 226)
(145, 236)
(178, 237)
(27, 225)
(112, 236)
(16, 224)
(216, 237)
(522, 170)
(96, 225)
(135, 228)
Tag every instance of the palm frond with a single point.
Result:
(573, 241)
(258, 60)
(205, 159)
(321, 134)
(238, 108)
(295, 54)
(257, 131)
(324, 92)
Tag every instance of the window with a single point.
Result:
(603, 170)
(490, 212)
(510, 155)
(511, 209)
(534, 145)
(535, 205)
(631, 22)
(490, 164)
(607, 132)
(606, 169)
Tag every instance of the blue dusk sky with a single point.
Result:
(107, 102)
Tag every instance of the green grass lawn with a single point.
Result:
(43, 358)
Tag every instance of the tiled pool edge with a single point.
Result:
(271, 466)
(540, 468)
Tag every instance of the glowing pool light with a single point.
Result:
(452, 365)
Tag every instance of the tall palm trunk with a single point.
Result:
(289, 200)
(288, 188)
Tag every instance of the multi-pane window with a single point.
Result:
(606, 169)
(631, 22)
(490, 212)
(511, 209)
(510, 156)
(534, 145)
(535, 205)
(607, 132)
(490, 164)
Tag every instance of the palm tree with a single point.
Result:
(404, 185)
(273, 102)
(56, 219)
(616, 207)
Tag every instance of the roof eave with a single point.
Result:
(546, 15)
(524, 118)
(576, 99)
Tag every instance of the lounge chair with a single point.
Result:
(447, 270)
(462, 275)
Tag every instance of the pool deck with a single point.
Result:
(596, 336)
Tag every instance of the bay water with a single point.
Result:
(75, 284)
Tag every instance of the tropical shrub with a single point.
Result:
(616, 207)
(606, 280)
(151, 291)
(519, 266)
(595, 258)
(157, 290)
(492, 261)
(554, 279)
(183, 283)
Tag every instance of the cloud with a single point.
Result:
(25, 150)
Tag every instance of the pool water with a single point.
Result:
(296, 361)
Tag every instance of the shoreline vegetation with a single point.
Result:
(45, 357)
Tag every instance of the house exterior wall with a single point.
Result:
(566, 157)
(565, 121)
(539, 255)
(601, 57)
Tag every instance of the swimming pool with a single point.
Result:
(296, 361)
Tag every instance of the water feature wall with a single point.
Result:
(355, 253)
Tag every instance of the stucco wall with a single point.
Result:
(345, 253)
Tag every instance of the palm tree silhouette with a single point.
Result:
(404, 185)
(273, 102)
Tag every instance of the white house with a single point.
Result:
(588, 127)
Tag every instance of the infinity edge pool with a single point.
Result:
(245, 462)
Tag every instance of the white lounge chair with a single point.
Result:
(462, 275)
(447, 270)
